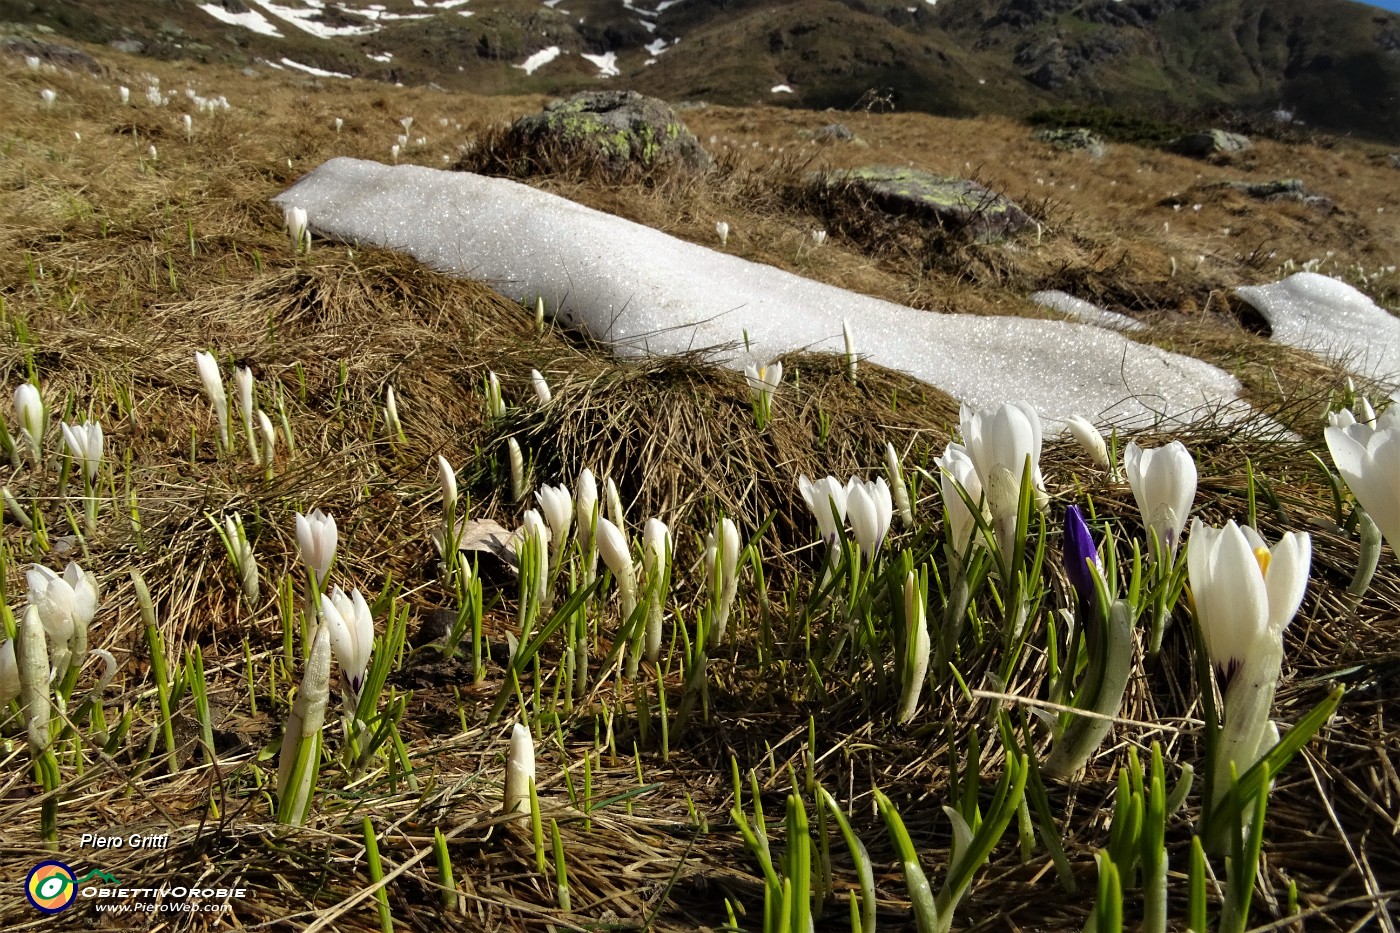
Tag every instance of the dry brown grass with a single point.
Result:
(119, 268)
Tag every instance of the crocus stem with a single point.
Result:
(1369, 557)
(1105, 681)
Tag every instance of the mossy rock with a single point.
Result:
(618, 131)
(61, 55)
(1284, 189)
(1209, 144)
(952, 203)
(1073, 139)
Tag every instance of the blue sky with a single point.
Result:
(1393, 5)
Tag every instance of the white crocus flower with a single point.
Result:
(827, 499)
(617, 555)
(85, 445)
(317, 537)
(818, 237)
(213, 382)
(298, 231)
(898, 486)
(1369, 460)
(586, 510)
(352, 637)
(32, 667)
(1163, 481)
(958, 470)
(1245, 594)
(1003, 443)
(29, 406)
(391, 413)
(1090, 439)
(870, 509)
(764, 380)
(542, 393)
(520, 770)
(339, 123)
(66, 606)
(517, 469)
(722, 231)
(49, 95)
(124, 93)
(495, 403)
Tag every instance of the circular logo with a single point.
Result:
(50, 887)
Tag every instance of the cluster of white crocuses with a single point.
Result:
(344, 631)
(50, 646)
(212, 379)
(83, 443)
(868, 505)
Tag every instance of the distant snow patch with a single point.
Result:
(450, 4)
(318, 72)
(252, 20)
(655, 46)
(380, 57)
(781, 89)
(1327, 316)
(607, 64)
(539, 59)
(302, 18)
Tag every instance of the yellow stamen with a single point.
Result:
(1262, 555)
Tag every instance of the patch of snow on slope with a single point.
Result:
(1321, 314)
(607, 64)
(648, 293)
(252, 20)
(540, 58)
(655, 46)
(1085, 311)
(450, 4)
(301, 17)
(381, 57)
(781, 89)
(318, 72)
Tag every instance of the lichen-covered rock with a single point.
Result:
(61, 55)
(953, 203)
(1209, 143)
(1284, 189)
(620, 131)
(1073, 140)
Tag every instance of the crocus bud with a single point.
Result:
(917, 645)
(1164, 484)
(1082, 561)
(495, 403)
(9, 674)
(296, 221)
(615, 512)
(542, 393)
(722, 231)
(317, 537)
(339, 123)
(722, 570)
(533, 528)
(302, 739)
(447, 480)
(612, 545)
(1090, 439)
(269, 439)
(898, 486)
(29, 406)
(244, 560)
(391, 413)
(818, 237)
(558, 507)
(517, 469)
(32, 664)
(243, 377)
(850, 350)
(958, 471)
(656, 556)
(520, 770)
(124, 93)
(213, 382)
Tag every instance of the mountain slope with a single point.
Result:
(1332, 64)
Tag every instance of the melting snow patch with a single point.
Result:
(607, 64)
(318, 72)
(450, 4)
(648, 293)
(1318, 313)
(252, 20)
(381, 57)
(302, 18)
(542, 57)
(781, 89)
(655, 46)
(1085, 311)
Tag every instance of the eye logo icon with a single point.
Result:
(51, 887)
